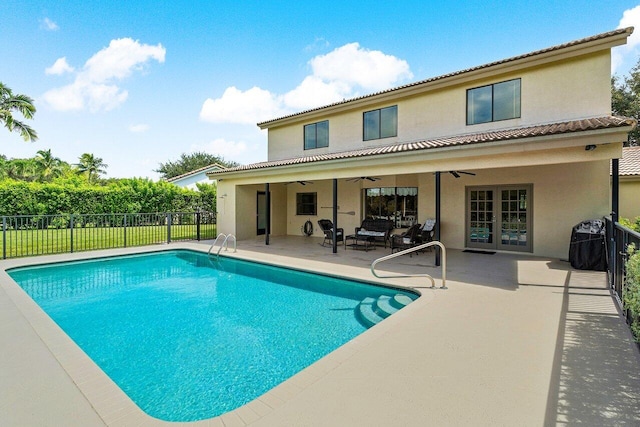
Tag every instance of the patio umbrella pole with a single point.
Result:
(437, 230)
(335, 216)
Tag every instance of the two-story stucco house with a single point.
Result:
(518, 151)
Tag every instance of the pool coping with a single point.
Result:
(115, 408)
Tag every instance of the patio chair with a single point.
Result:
(427, 231)
(406, 240)
(327, 228)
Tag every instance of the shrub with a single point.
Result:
(631, 295)
(631, 224)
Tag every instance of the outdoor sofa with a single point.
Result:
(378, 229)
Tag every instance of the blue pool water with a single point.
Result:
(188, 338)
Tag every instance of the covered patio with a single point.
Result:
(514, 340)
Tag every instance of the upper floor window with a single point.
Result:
(306, 203)
(316, 135)
(499, 101)
(381, 123)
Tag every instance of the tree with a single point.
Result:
(625, 100)
(10, 103)
(190, 162)
(47, 166)
(91, 166)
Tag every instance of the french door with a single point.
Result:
(499, 217)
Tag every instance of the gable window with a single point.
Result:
(381, 123)
(491, 103)
(316, 135)
(306, 203)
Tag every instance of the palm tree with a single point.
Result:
(48, 167)
(10, 103)
(91, 166)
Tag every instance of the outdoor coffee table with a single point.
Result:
(359, 241)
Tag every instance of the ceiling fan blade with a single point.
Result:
(454, 173)
(467, 173)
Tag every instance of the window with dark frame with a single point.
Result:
(494, 102)
(307, 204)
(316, 135)
(381, 123)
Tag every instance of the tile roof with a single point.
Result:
(629, 165)
(195, 171)
(583, 125)
(596, 37)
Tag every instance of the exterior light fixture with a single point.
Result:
(589, 147)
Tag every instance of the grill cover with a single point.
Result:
(587, 250)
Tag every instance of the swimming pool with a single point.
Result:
(187, 338)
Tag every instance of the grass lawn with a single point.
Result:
(20, 243)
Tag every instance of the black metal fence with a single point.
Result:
(617, 258)
(29, 235)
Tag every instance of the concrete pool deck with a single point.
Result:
(514, 340)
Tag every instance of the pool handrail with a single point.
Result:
(411, 250)
(225, 243)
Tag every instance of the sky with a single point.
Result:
(138, 83)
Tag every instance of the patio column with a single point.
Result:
(267, 228)
(615, 206)
(335, 216)
(437, 229)
(615, 190)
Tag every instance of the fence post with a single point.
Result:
(125, 230)
(72, 227)
(4, 237)
(198, 226)
(168, 227)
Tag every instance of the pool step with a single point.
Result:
(372, 311)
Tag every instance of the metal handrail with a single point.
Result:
(411, 250)
(224, 244)
(216, 241)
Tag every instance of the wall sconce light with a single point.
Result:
(223, 196)
(589, 147)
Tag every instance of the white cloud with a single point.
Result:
(371, 70)
(621, 54)
(228, 150)
(139, 128)
(49, 25)
(345, 72)
(95, 85)
(59, 67)
(236, 106)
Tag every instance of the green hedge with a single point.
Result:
(119, 196)
(632, 292)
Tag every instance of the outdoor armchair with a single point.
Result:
(327, 228)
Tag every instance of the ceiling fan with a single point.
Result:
(457, 173)
(298, 182)
(363, 178)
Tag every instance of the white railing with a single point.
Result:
(411, 250)
(225, 243)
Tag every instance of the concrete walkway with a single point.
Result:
(514, 340)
